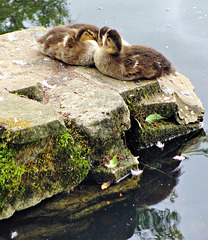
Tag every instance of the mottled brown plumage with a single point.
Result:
(130, 62)
(73, 45)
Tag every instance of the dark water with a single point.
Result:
(179, 29)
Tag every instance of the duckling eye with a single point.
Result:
(109, 39)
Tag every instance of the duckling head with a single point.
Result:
(112, 41)
(86, 33)
(101, 34)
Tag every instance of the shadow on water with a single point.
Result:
(118, 212)
(16, 15)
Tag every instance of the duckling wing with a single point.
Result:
(57, 42)
(137, 67)
(57, 35)
(144, 62)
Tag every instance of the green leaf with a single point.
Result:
(153, 117)
(113, 163)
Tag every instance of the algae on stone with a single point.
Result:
(101, 173)
(34, 171)
(33, 92)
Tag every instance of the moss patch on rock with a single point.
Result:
(125, 162)
(57, 162)
(134, 96)
(144, 135)
(33, 92)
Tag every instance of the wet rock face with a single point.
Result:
(59, 114)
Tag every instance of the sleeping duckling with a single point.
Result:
(80, 25)
(75, 46)
(129, 62)
(102, 33)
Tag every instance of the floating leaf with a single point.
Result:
(105, 185)
(113, 163)
(153, 117)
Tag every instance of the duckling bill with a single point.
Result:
(74, 44)
(130, 62)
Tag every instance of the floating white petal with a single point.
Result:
(179, 158)
(136, 172)
(160, 144)
(14, 234)
(136, 159)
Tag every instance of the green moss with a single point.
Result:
(10, 173)
(167, 110)
(32, 92)
(146, 100)
(134, 96)
(58, 162)
(162, 131)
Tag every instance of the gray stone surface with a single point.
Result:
(99, 111)
(173, 88)
(30, 118)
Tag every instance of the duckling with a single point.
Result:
(75, 46)
(129, 62)
(102, 33)
(80, 25)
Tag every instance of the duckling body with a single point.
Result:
(130, 62)
(72, 45)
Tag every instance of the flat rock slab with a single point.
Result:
(99, 111)
(22, 66)
(173, 88)
(30, 118)
(190, 107)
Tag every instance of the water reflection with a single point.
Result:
(15, 15)
(120, 212)
(198, 147)
(157, 224)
